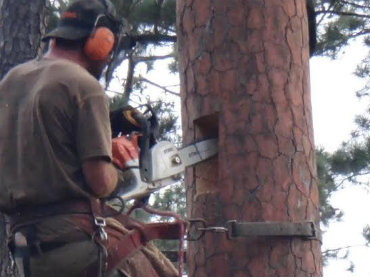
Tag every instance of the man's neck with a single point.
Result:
(71, 55)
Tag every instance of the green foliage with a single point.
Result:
(339, 22)
(363, 69)
(148, 16)
(168, 12)
(171, 199)
(366, 234)
(174, 65)
(167, 121)
(351, 159)
(326, 187)
(148, 11)
(117, 102)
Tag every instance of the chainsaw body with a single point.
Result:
(166, 165)
(160, 163)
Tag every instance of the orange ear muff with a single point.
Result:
(100, 44)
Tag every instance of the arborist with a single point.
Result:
(56, 157)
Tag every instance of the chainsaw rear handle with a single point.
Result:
(149, 129)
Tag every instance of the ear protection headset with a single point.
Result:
(101, 41)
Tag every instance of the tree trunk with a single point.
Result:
(21, 29)
(245, 77)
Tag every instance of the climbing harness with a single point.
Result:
(95, 223)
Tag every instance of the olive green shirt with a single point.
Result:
(53, 116)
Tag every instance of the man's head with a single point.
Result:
(91, 26)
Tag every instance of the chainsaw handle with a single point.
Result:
(144, 145)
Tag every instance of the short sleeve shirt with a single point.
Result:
(53, 116)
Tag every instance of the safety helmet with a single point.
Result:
(93, 20)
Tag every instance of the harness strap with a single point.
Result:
(27, 216)
(133, 241)
(112, 251)
(138, 235)
(22, 253)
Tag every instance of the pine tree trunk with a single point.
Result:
(21, 29)
(245, 77)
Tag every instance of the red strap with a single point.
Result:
(138, 236)
(162, 231)
(133, 241)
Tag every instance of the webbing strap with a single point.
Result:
(306, 230)
(132, 241)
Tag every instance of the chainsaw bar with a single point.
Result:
(198, 151)
(166, 161)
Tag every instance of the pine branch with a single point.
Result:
(114, 91)
(152, 58)
(351, 177)
(361, 33)
(355, 5)
(332, 10)
(323, 15)
(141, 78)
(340, 43)
(328, 251)
(154, 38)
(342, 13)
(129, 77)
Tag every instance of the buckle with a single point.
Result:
(101, 224)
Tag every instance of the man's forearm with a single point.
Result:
(100, 176)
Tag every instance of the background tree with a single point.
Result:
(341, 22)
(19, 42)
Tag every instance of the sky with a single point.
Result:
(334, 106)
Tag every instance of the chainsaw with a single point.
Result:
(160, 163)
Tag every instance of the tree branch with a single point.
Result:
(141, 78)
(342, 248)
(351, 177)
(152, 58)
(342, 13)
(129, 78)
(154, 38)
(355, 5)
(114, 91)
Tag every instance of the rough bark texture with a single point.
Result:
(21, 28)
(245, 76)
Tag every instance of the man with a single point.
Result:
(55, 149)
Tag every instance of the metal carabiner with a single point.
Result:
(101, 223)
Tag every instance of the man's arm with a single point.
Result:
(100, 176)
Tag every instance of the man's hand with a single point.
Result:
(125, 151)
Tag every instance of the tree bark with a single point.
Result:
(244, 69)
(21, 28)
